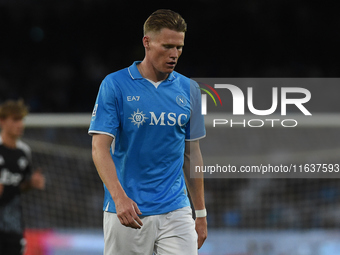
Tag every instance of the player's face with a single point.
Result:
(13, 126)
(163, 49)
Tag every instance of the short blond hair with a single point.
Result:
(13, 108)
(164, 19)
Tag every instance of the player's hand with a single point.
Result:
(38, 180)
(127, 213)
(201, 227)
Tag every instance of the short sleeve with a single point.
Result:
(26, 149)
(195, 128)
(105, 117)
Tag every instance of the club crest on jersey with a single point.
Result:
(22, 163)
(181, 100)
(138, 118)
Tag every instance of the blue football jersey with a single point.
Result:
(150, 125)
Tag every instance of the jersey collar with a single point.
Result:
(135, 74)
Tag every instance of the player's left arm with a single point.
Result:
(193, 157)
(37, 181)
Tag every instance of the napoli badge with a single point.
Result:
(181, 100)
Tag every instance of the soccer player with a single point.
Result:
(146, 125)
(15, 176)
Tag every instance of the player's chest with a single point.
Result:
(13, 164)
(155, 107)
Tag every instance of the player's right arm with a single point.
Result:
(127, 209)
(1, 189)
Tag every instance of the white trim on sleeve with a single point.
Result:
(194, 139)
(113, 144)
(91, 132)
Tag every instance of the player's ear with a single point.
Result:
(146, 41)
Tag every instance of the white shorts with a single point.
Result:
(172, 233)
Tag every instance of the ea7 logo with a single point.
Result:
(133, 98)
(238, 100)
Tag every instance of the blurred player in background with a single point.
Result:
(149, 117)
(15, 176)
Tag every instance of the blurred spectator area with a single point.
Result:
(54, 54)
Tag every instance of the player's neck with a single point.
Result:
(8, 141)
(149, 72)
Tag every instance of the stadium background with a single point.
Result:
(54, 54)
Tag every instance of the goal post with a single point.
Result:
(83, 119)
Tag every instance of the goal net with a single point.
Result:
(74, 193)
(300, 200)
(73, 197)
